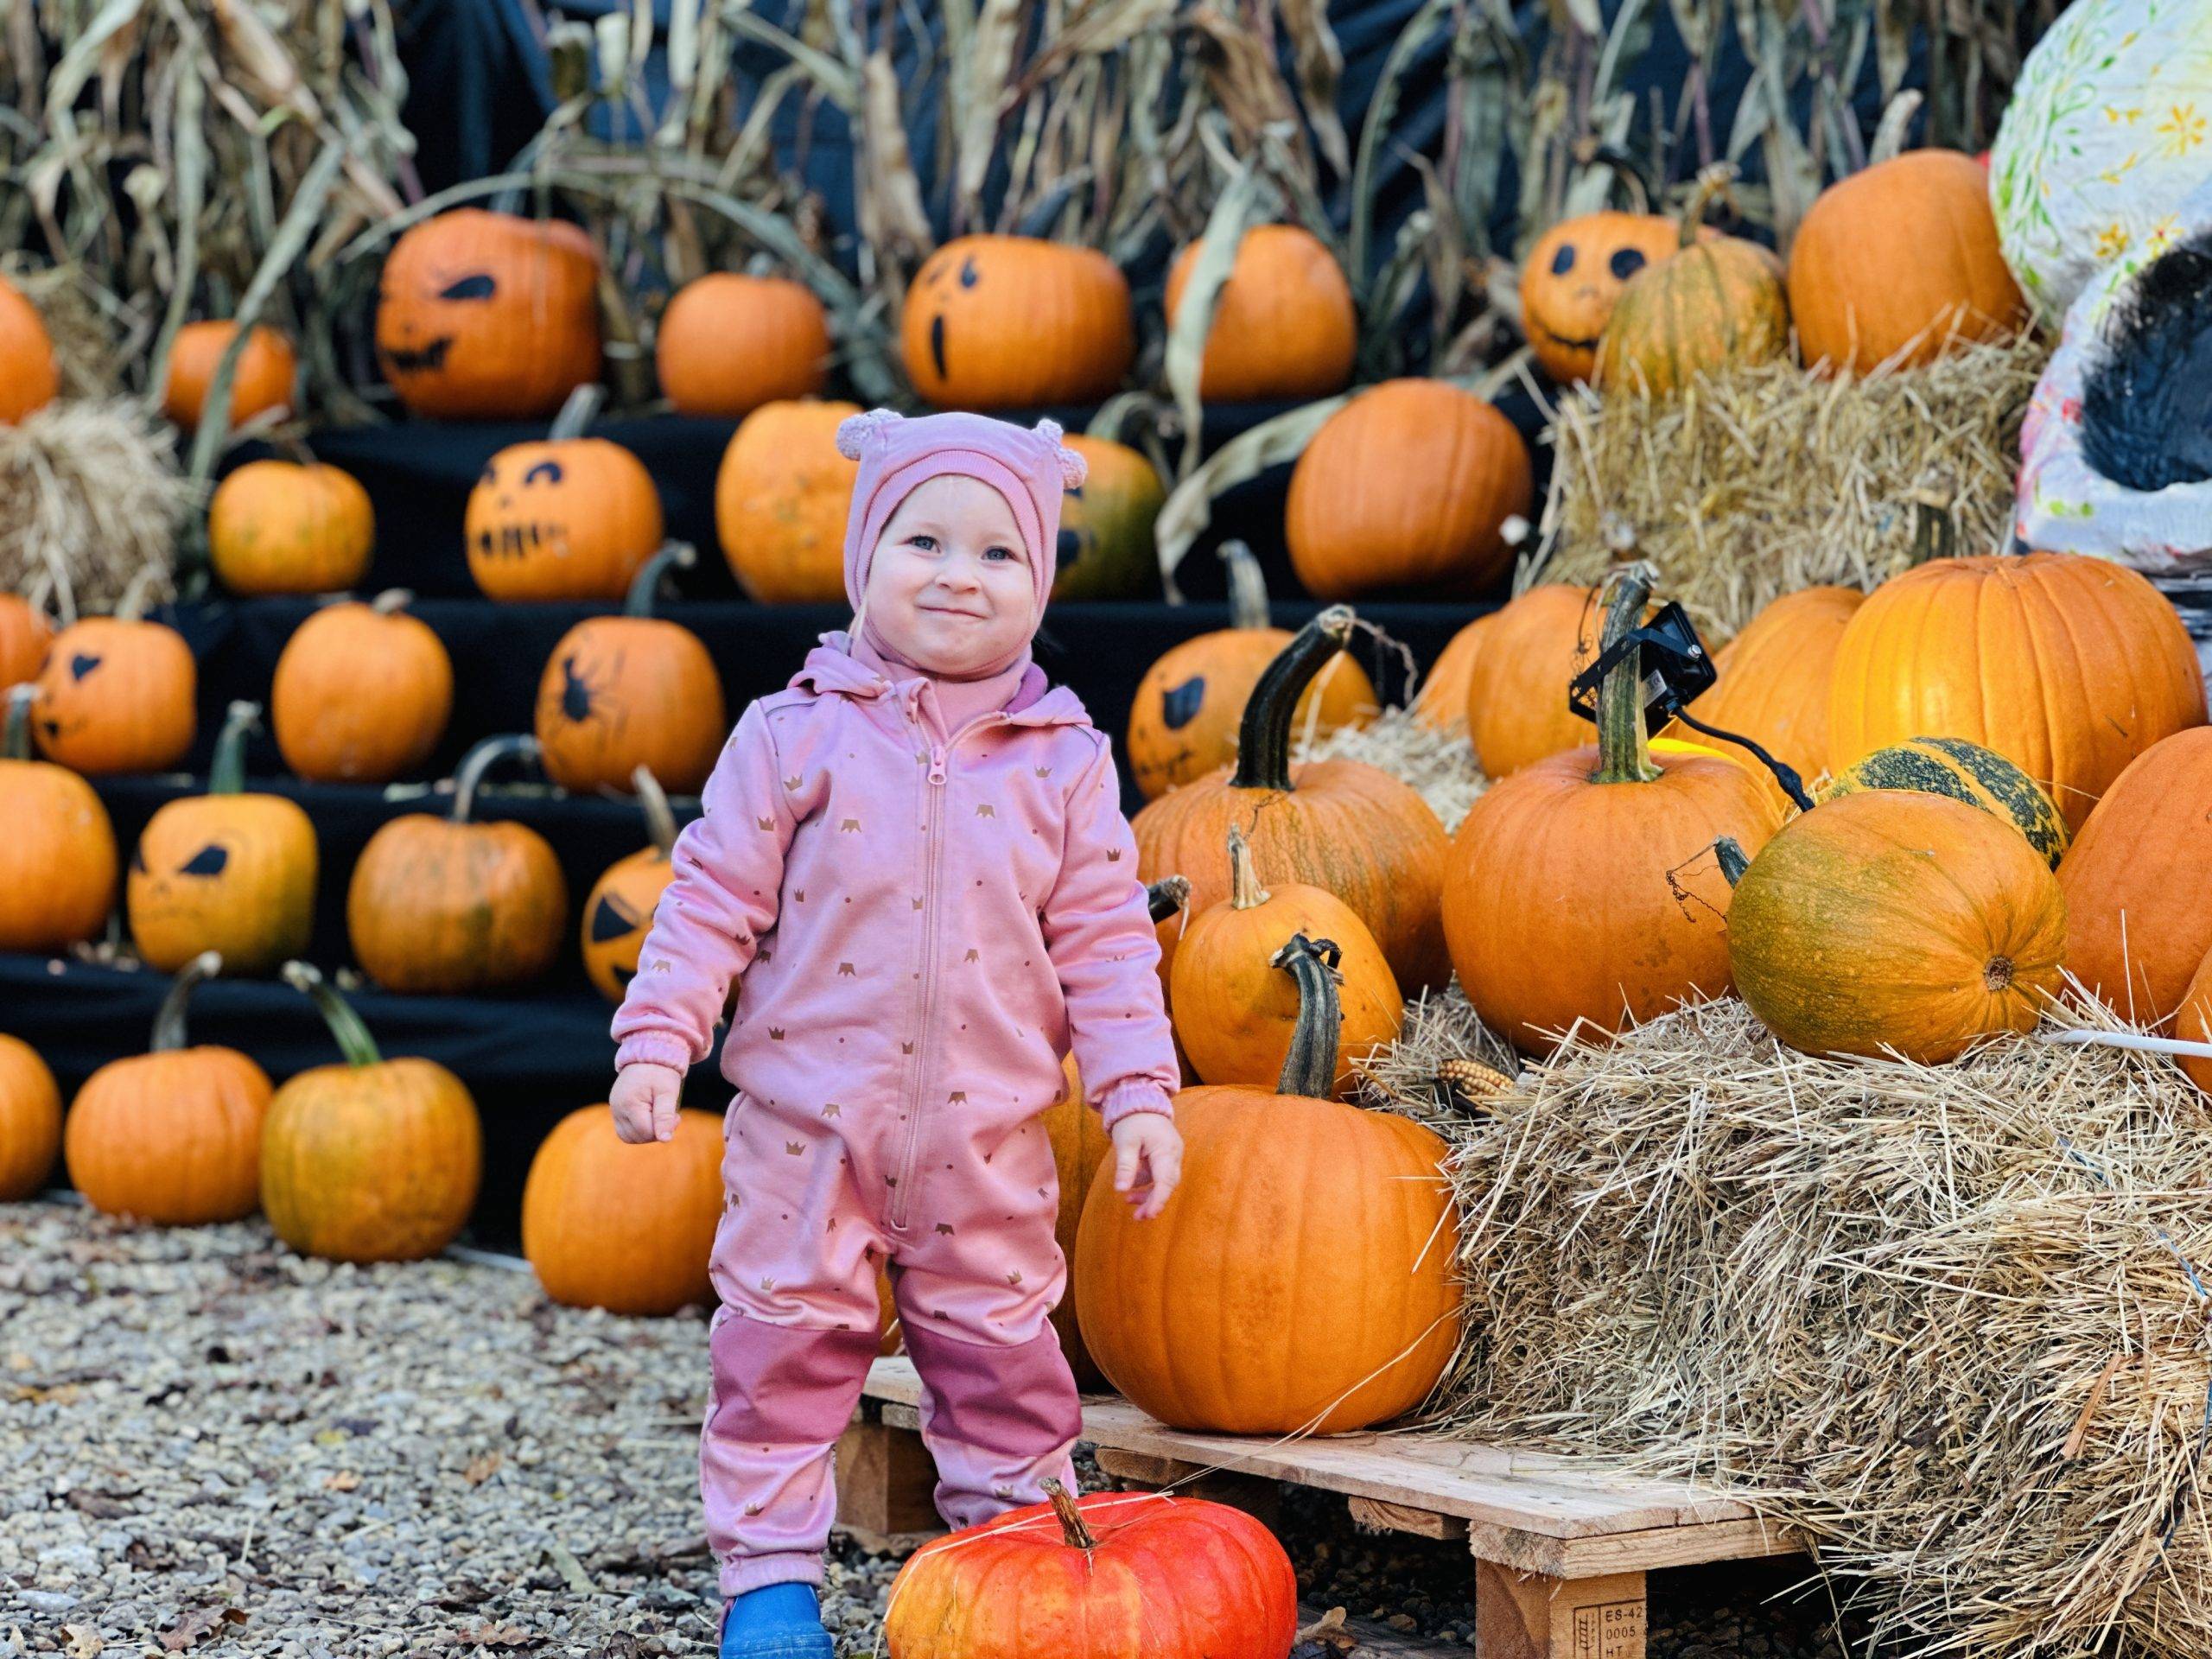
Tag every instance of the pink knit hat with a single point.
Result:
(897, 455)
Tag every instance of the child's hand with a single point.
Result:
(645, 1101)
(1148, 1161)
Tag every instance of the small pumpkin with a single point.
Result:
(116, 694)
(1895, 920)
(572, 518)
(1717, 302)
(1409, 486)
(1348, 828)
(1292, 1284)
(1581, 890)
(622, 692)
(173, 1135)
(1573, 277)
(1106, 546)
(1441, 703)
(780, 500)
(28, 375)
(1234, 1009)
(624, 1227)
(1775, 678)
(1105, 1576)
(1080, 1149)
(30, 1121)
(362, 693)
(58, 858)
(1016, 322)
(284, 527)
(1284, 326)
(619, 911)
(1892, 263)
(2193, 1024)
(729, 343)
(1182, 720)
(24, 636)
(224, 871)
(261, 384)
(488, 316)
(1964, 772)
(372, 1159)
(446, 907)
(1517, 691)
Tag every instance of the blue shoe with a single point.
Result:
(777, 1621)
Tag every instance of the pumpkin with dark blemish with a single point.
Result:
(625, 1226)
(1573, 277)
(1016, 322)
(1106, 549)
(116, 694)
(780, 503)
(1966, 772)
(568, 518)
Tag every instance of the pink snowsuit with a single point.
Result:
(924, 921)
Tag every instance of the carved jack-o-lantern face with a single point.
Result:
(571, 518)
(1576, 274)
(229, 872)
(1014, 322)
(621, 692)
(1106, 549)
(617, 915)
(115, 695)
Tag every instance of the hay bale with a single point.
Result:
(1763, 480)
(1946, 1319)
(90, 496)
(1439, 765)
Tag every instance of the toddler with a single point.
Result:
(916, 860)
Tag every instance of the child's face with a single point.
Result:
(949, 588)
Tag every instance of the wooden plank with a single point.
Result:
(886, 1482)
(1528, 1616)
(1377, 1515)
(1642, 1551)
(1254, 1495)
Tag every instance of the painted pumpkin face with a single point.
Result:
(116, 695)
(1014, 323)
(572, 519)
(621, 692)
(1106, 548)
(617, 915)
(1574, 275)
(229, 872)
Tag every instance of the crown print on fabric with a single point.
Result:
(850, 826)
(984, 810)
(845, 970)
(766, 823)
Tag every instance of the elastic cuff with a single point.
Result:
(744, 1572)
(654, 1048)
(1127, 1099)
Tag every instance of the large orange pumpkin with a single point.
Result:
(1106, 548)
(116, 694)
(1897, 261)
(571, 518)
(30, 1121)
(780, 500)
(28, 375)
(24, 635)
(488, 316)
(619, 911)
(372, 1159)
(362, 693)
(1717, 302)
(281, 527)
(1014, 323)
(2068, 666)
(1517, 690)
(1408, 486)
(57, 859)
(1573, 277)
(172, 1136)
(1582, 888)
(1775, 677)
(624, 1227)
(225, 871)
(1284, 326)
(446, 907)
(262, 383)
(1441, 703)
(729, 343)
(1292, 1284)
(1896, 920)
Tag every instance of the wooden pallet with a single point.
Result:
(1561, 1545)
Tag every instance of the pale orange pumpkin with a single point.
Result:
(281, 527)
(1517, 690)
(1284, 325)
(624, 1227)
(729, 343)
(1016, 322)
(362, 692)
(262, 383)
(780, 500)
(30, 1121)
(1441, 703)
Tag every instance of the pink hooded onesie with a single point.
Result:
(925, 921)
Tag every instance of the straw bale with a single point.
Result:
(90, 496)
(1441, 765)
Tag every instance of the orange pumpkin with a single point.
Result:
(619, 911)
(2194, 1024)
(24, 635)
(172, 1136)
(57, 861)
(1899, 921)
(1896, 262)
(624, 1227)
(728, 344)
(2068, 666)
(568, 518)
(116, 694)
(1080, 1150)
(30, 1121)
(1441, 703)
(262, 383)
(446, 907)
(362, 693)
(1408, 486)
(1715, 303)
(1573, 277)
(1014, 323)
(1775, 678)
(1517, 691)
(1106, 547)
(1183, 718)
(780, 500)
(372, 1160)
(488, 316)
(1581, 889)
(1348, 828)
(1284, 326)
(622, 692)
(280, 527)
(28, 375)
(1292, 1284)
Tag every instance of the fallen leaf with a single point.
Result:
(481, 1468)
(197, 1623)
(1326, 1634)
(99, 1506)
(85, 1642)
(489, 1636)
(344, 1481)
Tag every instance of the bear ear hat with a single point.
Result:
(1073, 468)
(855, 431)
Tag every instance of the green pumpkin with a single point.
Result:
(1965, 772)
(1106, 548)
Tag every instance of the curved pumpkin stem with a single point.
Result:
(1625, 169)
(1714, 183)
(477, 759)
(15, 745)
(1311, 1066)
(352, 1036)
(1245, 891)
(652, 801)
(168, 1021)
(645, 584)
(1263, 737)
(226, 772)
(392, 600)
(1624, 756)
(1729, 852)
(577, 414)
(1167, 896)
(1247, 587)
(1075, 1532)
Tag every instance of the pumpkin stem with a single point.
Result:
(1075, 1532)
(1247, 587)
(1245, 891)
(652, 801)
(132, 607)
(577, 414)
(1167, 896)
(1730, 854)
(646, 583)
(1714, 183)
(15, 745)
(1310, 1068)
(226, 772)
(168, 1021)
(352, 1037)
(1623, 755)
(392, 600)
(1263, 737)
(477, 759)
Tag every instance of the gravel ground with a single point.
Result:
(209, 1444)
